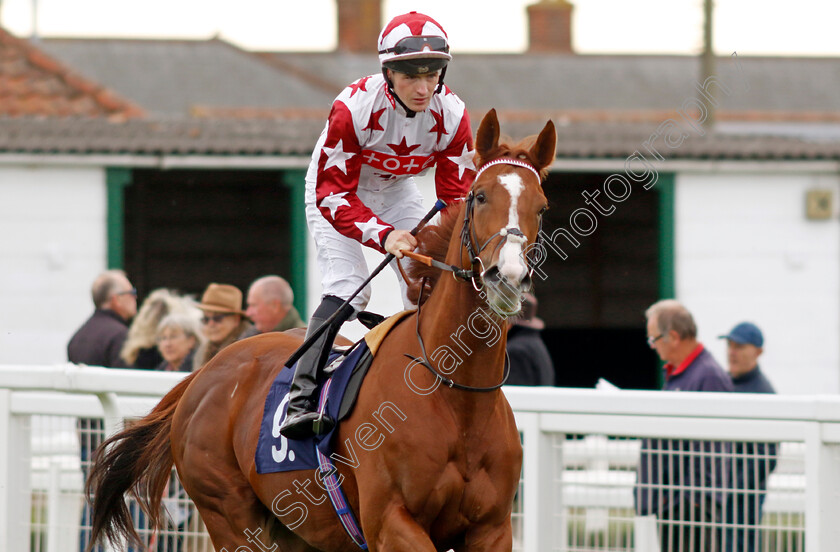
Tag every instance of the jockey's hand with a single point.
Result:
(398, 240)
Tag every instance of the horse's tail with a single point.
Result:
(137, 460)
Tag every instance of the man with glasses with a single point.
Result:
(382, 131)
(99, 341)
(683, 482)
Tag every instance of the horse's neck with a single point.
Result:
(455, 323)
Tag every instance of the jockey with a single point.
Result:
(360, 190)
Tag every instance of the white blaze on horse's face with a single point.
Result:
(511, 258)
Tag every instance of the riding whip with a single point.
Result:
(439, 204)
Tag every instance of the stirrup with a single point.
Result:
(306, 424)
(369, 319)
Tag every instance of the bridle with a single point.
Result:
(476, 272)
(468, 237)
(468, 242)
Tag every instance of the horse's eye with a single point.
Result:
(543, 210)
(481, 198)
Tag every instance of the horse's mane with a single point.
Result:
(433, 240)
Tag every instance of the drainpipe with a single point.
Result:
(707, 64)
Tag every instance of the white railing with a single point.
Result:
(581, 450)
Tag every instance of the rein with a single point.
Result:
(447, 381)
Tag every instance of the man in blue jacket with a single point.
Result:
(752, 462)
(680, 481)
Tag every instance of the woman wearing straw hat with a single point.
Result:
(223, 321)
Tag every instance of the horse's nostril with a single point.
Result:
(492, 275)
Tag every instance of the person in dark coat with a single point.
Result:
(683, 482)
(530, 362)
(752, 462)
(99, 341)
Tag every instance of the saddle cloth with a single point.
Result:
(276, 453)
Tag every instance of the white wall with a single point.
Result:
(745, 251)
(52, 245)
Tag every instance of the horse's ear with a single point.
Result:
(487, 137)
(545, 148)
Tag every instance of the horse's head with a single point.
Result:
(504, 211)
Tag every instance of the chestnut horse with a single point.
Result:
(425, 467)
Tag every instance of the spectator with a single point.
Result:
(140, 350)
(177, 339)
(681, 482)
(752, 462)
(270, 305)
(223, 321)
(530, 363)
(99, 341)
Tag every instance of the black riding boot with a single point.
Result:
(302, 418)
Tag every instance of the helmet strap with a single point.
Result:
(440, 80)
(408, 112)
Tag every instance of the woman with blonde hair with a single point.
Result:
(140, 349)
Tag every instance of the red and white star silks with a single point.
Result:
(367, 138)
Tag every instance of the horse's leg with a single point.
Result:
(234, 516)
(241, 523)
(488, 538)
(397, 531)
(228, 507)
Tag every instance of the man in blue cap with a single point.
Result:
(752, 462)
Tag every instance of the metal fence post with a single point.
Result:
(15, 493)
(540, 497)
(822, 497)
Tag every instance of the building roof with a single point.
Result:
(34, 84)
(262, 137)
(617, 87)
(207, 97)
(184, 78)
(214, 78)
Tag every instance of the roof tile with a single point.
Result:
(262, 137)
(34, 84)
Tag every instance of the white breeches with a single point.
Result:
(340, 259)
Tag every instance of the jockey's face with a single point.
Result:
(415, 91)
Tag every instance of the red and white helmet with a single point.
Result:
(413, 43)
